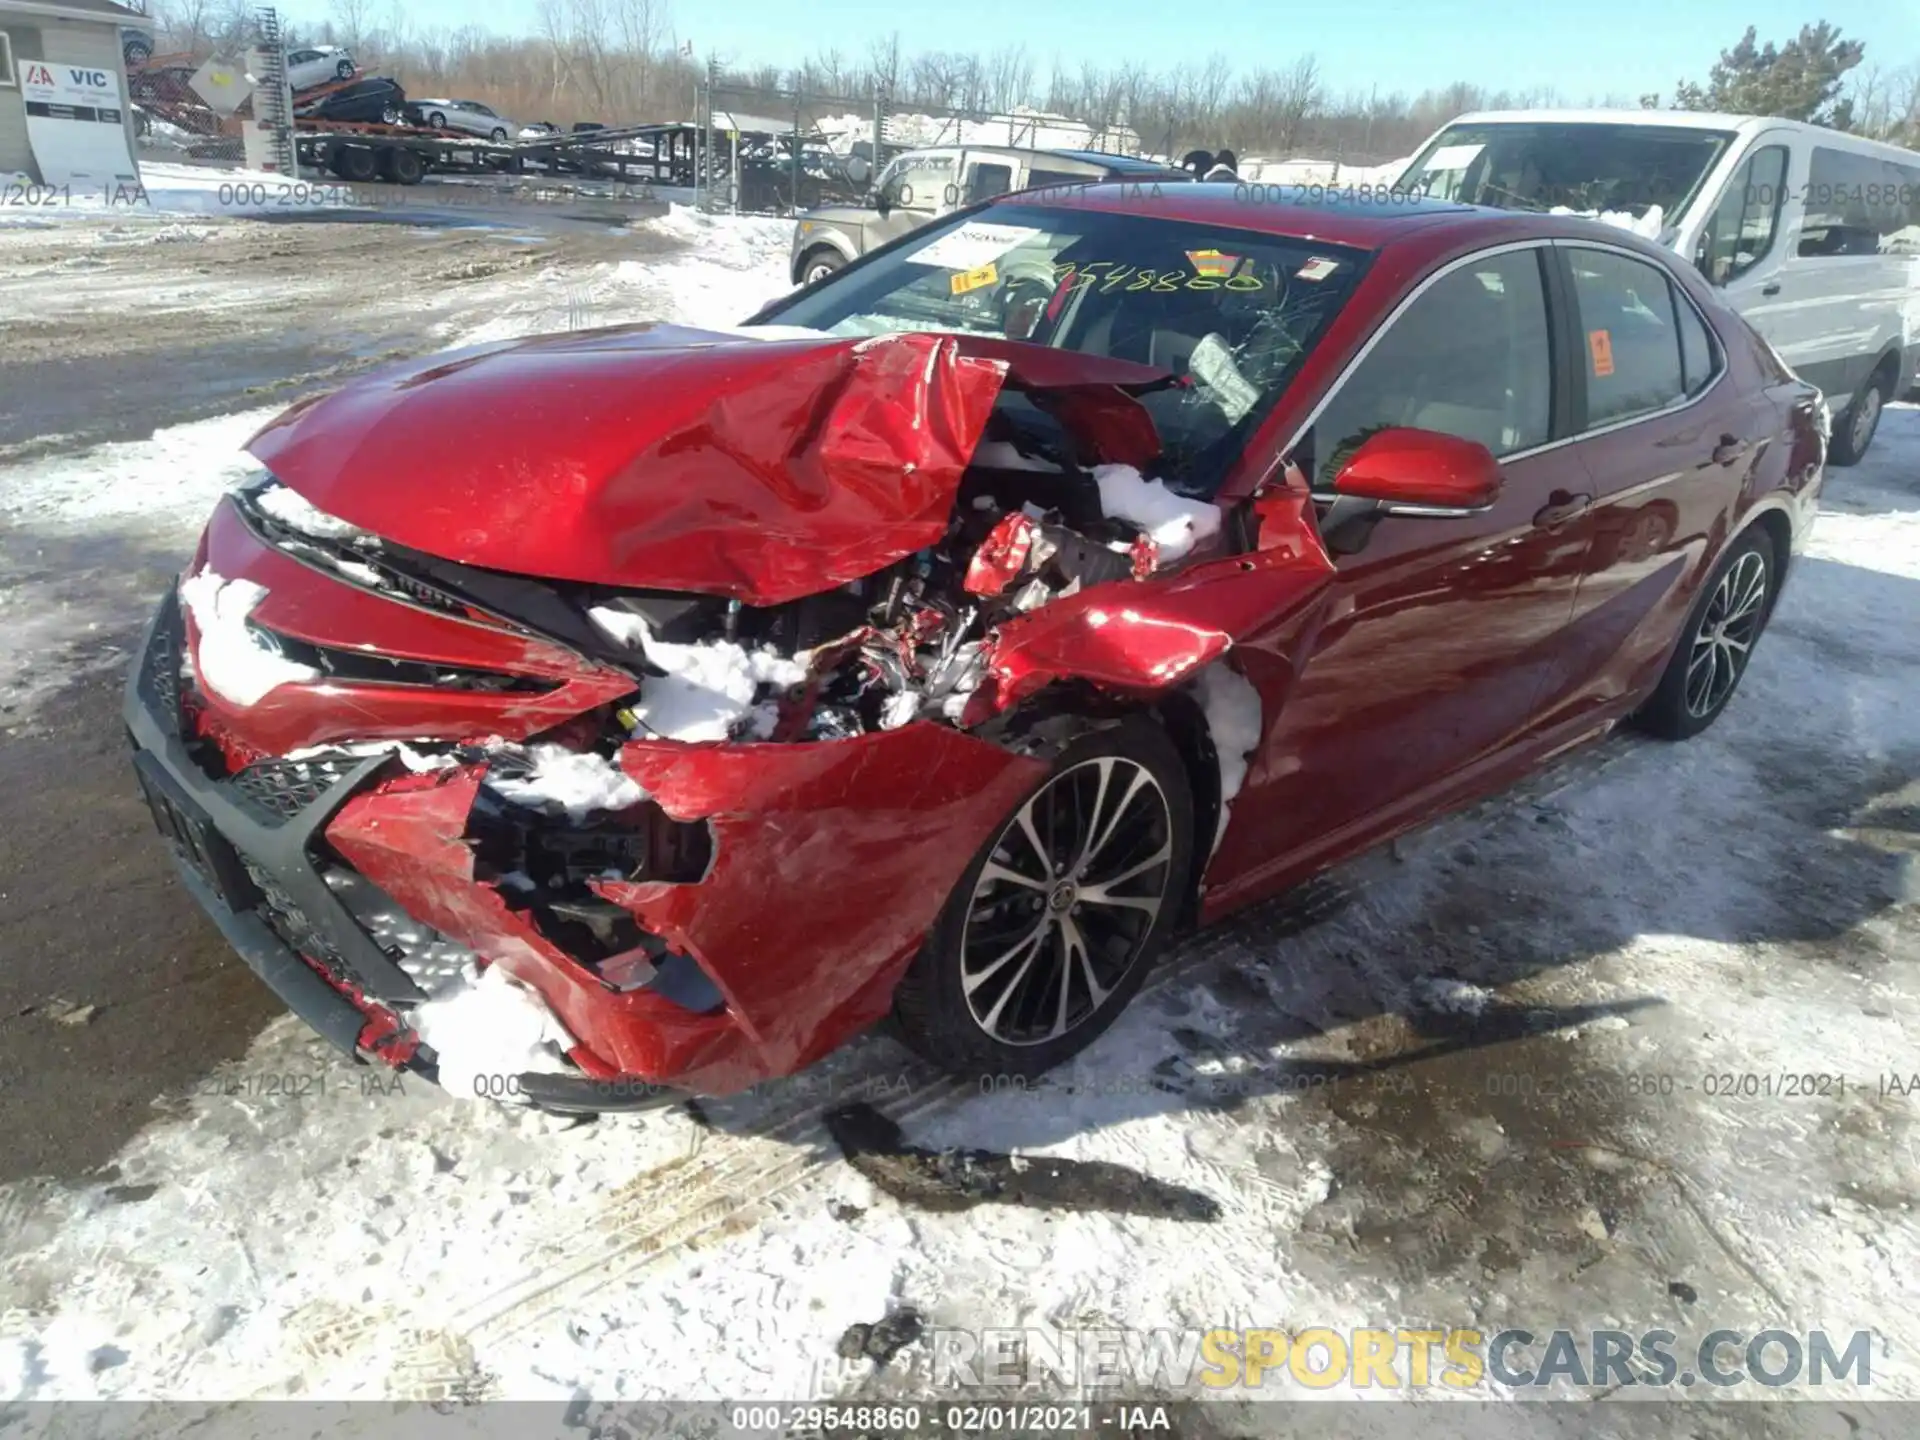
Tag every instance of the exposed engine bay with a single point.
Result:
(909, 642)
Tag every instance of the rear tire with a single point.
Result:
(1111, 827)
(498, 137)
(403, 166)
(437, 119)
(1856, 428)
(1715, 648)
(344, 70)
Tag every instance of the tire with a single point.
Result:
(1687, 700)
(356, 164)
(344, 70)
(816, 265)
(1855, 430)
(974, 1012)
(138, 53)
(403, 166)
(498, 137)
(437, 119)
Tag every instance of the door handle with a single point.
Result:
(1730, 449)
(1560, 508)
(1772, 287)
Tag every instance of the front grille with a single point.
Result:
(285, 788)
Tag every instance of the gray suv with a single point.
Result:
(920, 185)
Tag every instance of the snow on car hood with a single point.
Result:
(657, 456)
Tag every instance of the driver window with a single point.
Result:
(984, 181)
(1744, 223)
(921, 182)
(1470, 357)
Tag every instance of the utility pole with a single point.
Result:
(704, 163)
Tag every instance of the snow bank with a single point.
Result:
(1232, 707)
(232, 660)
(707, 688)
(176, 476)
(1176, 523)
(579, 783)
(167, 188)
(488, 1029)
(1021, 126)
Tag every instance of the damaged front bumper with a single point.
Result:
(246, 851)
(766, 960)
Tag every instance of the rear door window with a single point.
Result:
(1699, 357)
(1630, 335)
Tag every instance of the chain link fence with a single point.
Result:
(767, 151)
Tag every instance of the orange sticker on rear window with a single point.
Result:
(1600, 343)
(979, 279)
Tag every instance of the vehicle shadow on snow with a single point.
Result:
(1428, 981)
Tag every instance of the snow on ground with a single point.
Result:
(167, 188)
(170, 480)
(1468, 1081)
(733, 265)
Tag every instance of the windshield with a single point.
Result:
(1232, 312)
(1562, 165)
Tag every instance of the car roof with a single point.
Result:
(1363, 218)
(1119, 164)
(1662, 119)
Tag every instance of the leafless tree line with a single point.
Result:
(622, 61)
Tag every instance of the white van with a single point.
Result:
(1813, 234)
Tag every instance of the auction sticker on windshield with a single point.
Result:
(973, 246)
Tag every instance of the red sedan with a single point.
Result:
(653, 708)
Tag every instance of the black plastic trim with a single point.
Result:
(279, 848)
(297, 983)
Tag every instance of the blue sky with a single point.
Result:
(1621, 46)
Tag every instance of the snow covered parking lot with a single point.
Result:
(1540, 1064)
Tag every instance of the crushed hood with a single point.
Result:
(667, 458)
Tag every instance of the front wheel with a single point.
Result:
(499, 137)
(344, 70)
(1054, 925)
(1855, 432)
(819, 265)
(1718, 643)
(437, 120)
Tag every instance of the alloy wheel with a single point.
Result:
(1726, 634)
(1068, 896)
(1866, 418)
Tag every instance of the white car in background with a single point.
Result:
(314, 65)
(468, 115)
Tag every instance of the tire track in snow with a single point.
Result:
(667, 1209)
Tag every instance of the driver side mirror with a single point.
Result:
(1421, 472)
